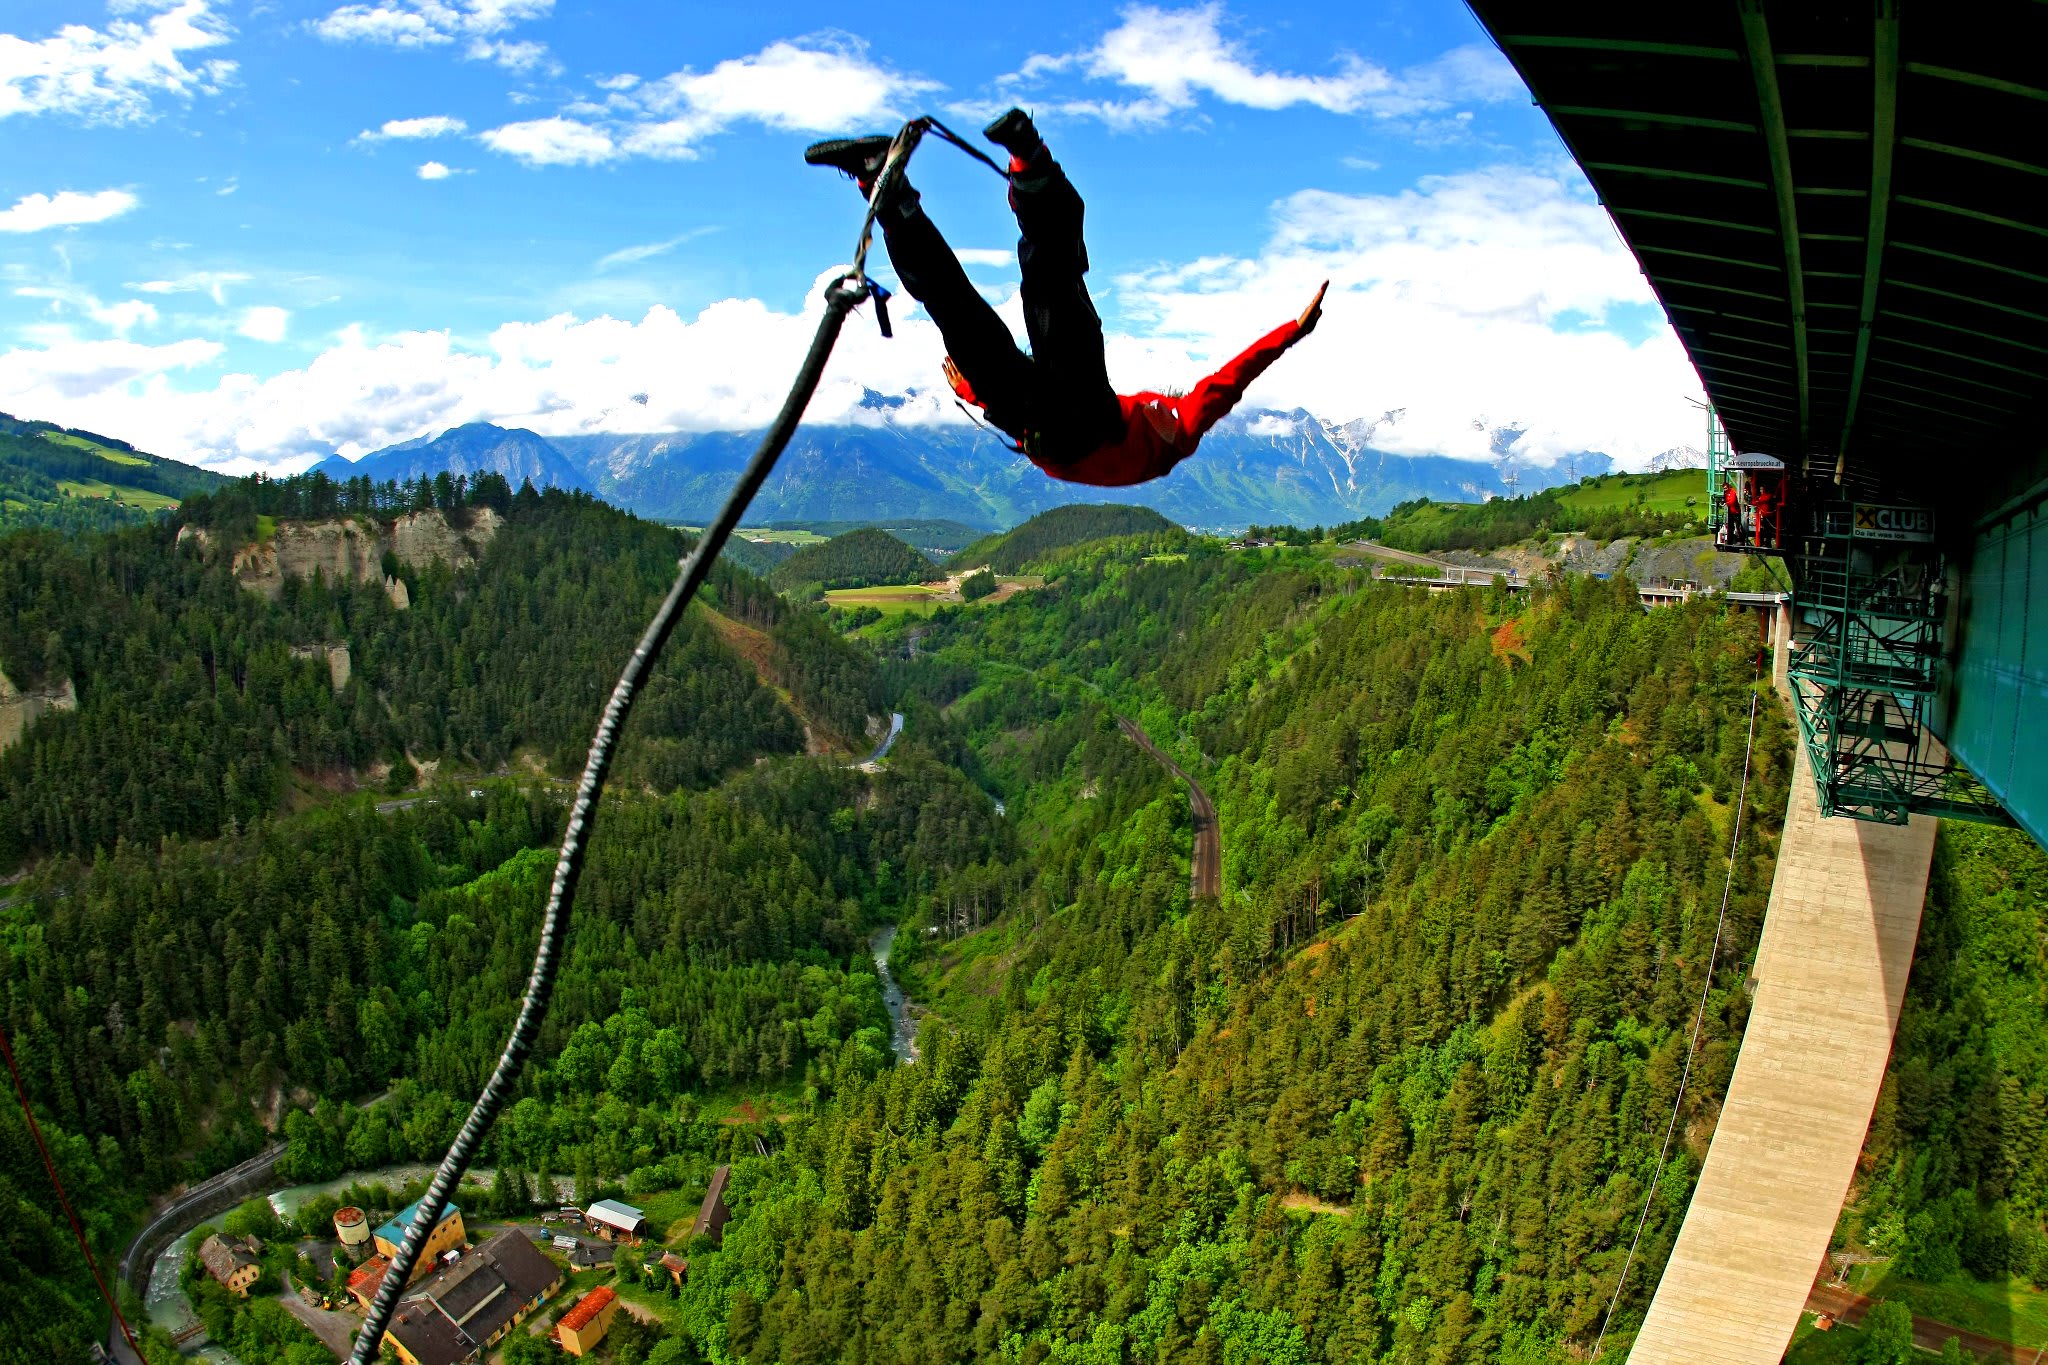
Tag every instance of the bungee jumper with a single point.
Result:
(1056, 404)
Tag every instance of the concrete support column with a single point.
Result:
(1831, 971)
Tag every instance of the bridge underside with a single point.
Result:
(1828, 200)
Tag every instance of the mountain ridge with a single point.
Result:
(1256, 466)
(520, 455)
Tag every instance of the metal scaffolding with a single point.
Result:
(1872, 604)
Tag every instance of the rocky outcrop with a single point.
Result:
(336, 657)
(19, 709)
(353, 549)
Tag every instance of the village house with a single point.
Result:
(232, 1262)
(583, 1326)
(678, 1269)
(471, 1304)
(448, 1234)
(615, 1222)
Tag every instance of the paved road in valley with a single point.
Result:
(1205, 871)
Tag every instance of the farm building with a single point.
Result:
(613, 1221)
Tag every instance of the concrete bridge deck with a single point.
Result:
(1831, 972)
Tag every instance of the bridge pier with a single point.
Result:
(1831, 972)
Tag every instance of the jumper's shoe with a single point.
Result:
(1014, 134)
(859, 157)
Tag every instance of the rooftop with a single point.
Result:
(223, 1257)
(618, 1215)
(394, 1231)
(452, 1313)
(588, 1307)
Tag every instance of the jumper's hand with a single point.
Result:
(1312, 314)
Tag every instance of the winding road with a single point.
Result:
(1205, 869)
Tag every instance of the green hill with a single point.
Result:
(1010, 551)
(859, 559)
(1603, 508)
(76, 480)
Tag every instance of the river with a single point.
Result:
(903, 1034)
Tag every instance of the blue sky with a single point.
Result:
(254, 233)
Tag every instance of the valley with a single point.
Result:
(969, 1018)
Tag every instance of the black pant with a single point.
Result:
(1061, 391)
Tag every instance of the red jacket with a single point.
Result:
(1161, 429)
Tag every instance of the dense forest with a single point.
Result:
(1023, 547)
(200, 704)
(1396, 1096)
(857, 559)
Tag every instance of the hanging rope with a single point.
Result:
(1698, 1018)
(841, 296)
(35, 1130)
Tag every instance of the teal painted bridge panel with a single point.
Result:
(1998, 700)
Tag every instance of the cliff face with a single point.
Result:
(353, 550)
(19, 709)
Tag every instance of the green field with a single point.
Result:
(130, 497)
(890, 601)
(777, 537)
(94, 448)
(1661, 492)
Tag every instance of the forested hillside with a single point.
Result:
(1153, 1130)
(1012, 551)
(165, 1004)
(1396, 1096)
(857, 559)
(194, 712)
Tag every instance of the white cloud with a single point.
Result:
(822, 83)
(1455, 306)
(986, 256)
(1453, 301)
(1176, 56)
(111, 75)
(73, 376)
(633, 255)
(520, 57)
(552, 142)
(210, 282)
(438, 23)
(264, 323)
(66, 208)
(67, 300)
(434, 125)
(433, 170)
